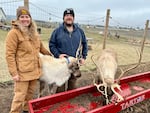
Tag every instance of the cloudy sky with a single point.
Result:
(123, 12)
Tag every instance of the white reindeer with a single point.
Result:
(107, 67)
(56, 72)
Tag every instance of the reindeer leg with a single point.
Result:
(41, 90)
(52, 88)
(66, 85)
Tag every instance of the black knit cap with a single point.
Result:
(69, 11)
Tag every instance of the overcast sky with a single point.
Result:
(126, 12)
(123, 12)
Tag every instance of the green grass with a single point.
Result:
(126, 52)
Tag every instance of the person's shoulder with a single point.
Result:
(79, 28)
(13, 31)
(12, 35)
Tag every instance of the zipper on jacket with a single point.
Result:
(71, 39)
(70, 34)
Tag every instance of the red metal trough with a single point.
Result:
(60, 103)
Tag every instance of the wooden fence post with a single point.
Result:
(106, 28)
(26, 4)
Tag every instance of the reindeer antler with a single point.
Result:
(127, 70)
(99, 85)
(120, 98)
(79, 50)
(139, 54)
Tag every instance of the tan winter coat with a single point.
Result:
(22, 52)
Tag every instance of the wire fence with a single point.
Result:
(9, 7)
(43, 14)
(51, 14)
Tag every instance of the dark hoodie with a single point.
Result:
(63, 42)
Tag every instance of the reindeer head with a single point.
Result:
(107, 66)
(74, 67)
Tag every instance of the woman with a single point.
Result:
(22, 54)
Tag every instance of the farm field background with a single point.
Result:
(125, 46)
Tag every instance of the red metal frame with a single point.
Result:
(60, 97)
(112, 108)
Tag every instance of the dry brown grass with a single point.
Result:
(4, 74)
(126, 54)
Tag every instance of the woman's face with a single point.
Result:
(25, 20)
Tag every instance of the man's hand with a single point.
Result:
(82, 61)
(62, 55)
(16, 78)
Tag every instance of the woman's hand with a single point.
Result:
(16, 78)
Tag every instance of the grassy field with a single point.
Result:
(4, 75)
(126, 51)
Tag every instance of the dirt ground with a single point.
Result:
(6, 90)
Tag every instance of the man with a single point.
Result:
(66, 39)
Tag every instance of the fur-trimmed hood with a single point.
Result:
(31, 30)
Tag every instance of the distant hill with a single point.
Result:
(10, 17)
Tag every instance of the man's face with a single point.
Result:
(68, 19)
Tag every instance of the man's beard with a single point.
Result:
(69, 25)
